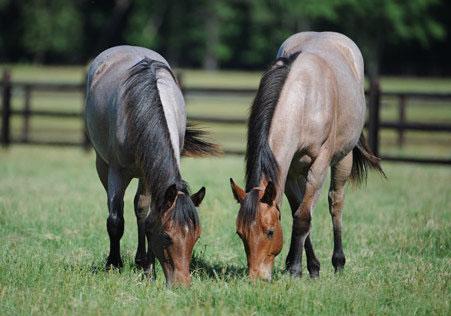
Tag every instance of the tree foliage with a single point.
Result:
(50, 27)
(208, 33)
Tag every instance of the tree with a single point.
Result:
(370, 23)
(50, 27)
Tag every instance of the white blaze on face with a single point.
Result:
(174, 110)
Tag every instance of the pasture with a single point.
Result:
(397, 237)
(397, 232)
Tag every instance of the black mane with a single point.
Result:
(148, 134)
(260, 159)
(185, 212)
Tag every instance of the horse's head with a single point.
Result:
(258, 225)
(172, 232)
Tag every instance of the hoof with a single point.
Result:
(113, 263)
(149, 274)
(313, 268)
(294, 271)
(338, 261)
(314, 275)
(141, 262)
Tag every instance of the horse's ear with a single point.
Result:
(270, 194)
(170, 195)
(238, 193)
(198, 197)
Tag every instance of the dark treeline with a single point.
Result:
(402, 37)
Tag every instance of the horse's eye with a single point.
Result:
(270, 233)
(166, 240)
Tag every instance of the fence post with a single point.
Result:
(6, 114)
(86, 142)
(402, 119)
(26, 113)
(373, 120)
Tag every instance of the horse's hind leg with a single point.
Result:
(102, 171)
(295, 192)
(117, 183)
(340, 173)
(142, 203)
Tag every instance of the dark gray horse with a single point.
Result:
(135, 114)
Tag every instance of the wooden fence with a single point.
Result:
(374, 125)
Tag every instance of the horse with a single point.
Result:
(308, 115)
(136, 122)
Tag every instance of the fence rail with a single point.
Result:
(374, 125)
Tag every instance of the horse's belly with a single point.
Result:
(97, 126)
(106, 132)
(349, 126)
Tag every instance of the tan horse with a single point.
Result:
(308, 114)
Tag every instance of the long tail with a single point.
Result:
(196, 144)
(363, 159)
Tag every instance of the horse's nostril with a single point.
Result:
(262, 274)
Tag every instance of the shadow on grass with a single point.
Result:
(204, 269)
(199, 267)
(99, 266)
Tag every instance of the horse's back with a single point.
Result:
(105, 114)
(328, 82)
(340, 54)
(332, 46)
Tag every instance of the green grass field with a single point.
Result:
(54, 241)
(397, 237)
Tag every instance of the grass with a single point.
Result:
(397, 237)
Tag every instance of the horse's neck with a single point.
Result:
(283, 140)
(174, 110)
(284, 156)
(284, 165)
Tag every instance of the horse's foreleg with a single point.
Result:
(313, 265)
(294, 191)
(340, 172)
(141, 203)
(149, 268)
(302, 216)
(117, 183)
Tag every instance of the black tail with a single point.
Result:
(196, 145)
(363, 159)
